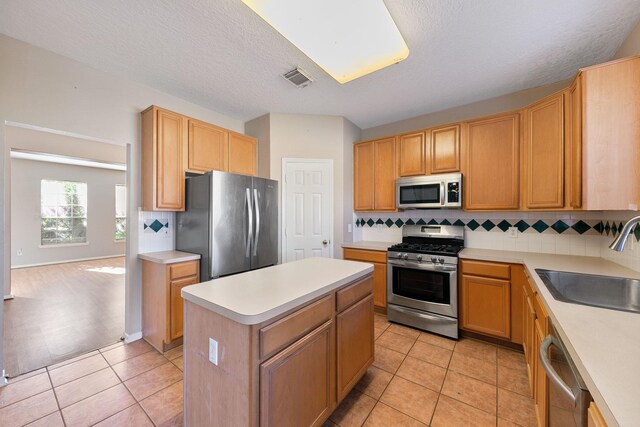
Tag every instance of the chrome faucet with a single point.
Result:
(618, 243)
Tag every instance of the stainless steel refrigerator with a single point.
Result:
(231, 221)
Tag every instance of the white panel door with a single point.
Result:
(308, 209)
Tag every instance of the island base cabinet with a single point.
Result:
(290, 370)
(355, 344)
(296, 385)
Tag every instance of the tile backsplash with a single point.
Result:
(571, 233)
(156, 231)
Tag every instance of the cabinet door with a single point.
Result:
(380, 285)
(486, 306)
(574, 186)
(363, 176)
(413, 154)
(594, 416)
(242, 154)
(492, 163)
(168, 161)
(177, 306)
(384, 174)
(445, 149)
(541, 382)
(544, 153)
(297, 385)
(528, 343)
(355, 344)
(208, 147)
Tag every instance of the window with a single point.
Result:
(63, 212)
(121, 212)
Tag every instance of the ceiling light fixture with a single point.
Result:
(348, 39)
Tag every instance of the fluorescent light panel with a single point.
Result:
(347, 38)
(54, 158)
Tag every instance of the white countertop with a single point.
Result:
(169, 257)
(255, 296)
(604, 344)
(369, 245)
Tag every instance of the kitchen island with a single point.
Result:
(278, 346)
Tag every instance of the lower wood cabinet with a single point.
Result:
(296, 384)
(162, 304)
(594, 417)
(379, 260)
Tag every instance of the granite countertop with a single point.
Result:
(604, 344)
(169, 257)
(369, 245)
(259, 295)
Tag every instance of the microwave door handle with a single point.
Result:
(551, 373)
(442, 193)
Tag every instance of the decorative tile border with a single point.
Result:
(503, 225)
(581, 227)
(155, 225)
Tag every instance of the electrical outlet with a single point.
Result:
(379, 227)
(513, 232)
(213, 351)
(349, 228)
(19, 252)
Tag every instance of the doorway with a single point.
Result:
(68, 228)
(307, 208)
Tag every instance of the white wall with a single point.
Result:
(26, 176)
(41, 88)
(631, 45)
(261, 128)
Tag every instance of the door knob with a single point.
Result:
(324, 242)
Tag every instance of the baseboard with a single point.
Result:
(66, 261)
(132, 337)
(8, 297)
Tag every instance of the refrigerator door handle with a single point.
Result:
(257, 236)
(250, 232)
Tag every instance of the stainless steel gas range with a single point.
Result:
(422, 278)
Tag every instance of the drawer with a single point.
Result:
(487, 269)
(184, 269)
(285, 331)
(346, 297)
(365, 255)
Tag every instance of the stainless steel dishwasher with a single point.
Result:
(568, 396)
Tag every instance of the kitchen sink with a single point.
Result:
(616, 293)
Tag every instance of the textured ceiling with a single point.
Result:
(219, 54)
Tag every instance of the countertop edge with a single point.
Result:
(368, 245)
(175, 257)
(254, 319)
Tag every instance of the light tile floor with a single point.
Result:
(417, 379)
(420, 379)
(119, 385)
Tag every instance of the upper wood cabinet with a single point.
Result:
(242, 154)
(163, 135)
(445, 149)
(544, 153)
(374, 174)
(491, 163)
(610, 110)
(573, 128)
(208, 147)
(173, 144)
(414, 154)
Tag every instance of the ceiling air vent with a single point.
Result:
(298, 77)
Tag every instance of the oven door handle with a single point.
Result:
(420, 266)
(423, 315)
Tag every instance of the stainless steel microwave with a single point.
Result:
(429, 191)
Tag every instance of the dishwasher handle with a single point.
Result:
(543, 355)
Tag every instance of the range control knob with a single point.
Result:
(441, 260)
(419, 257)
(434, 259)
(405, 256)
